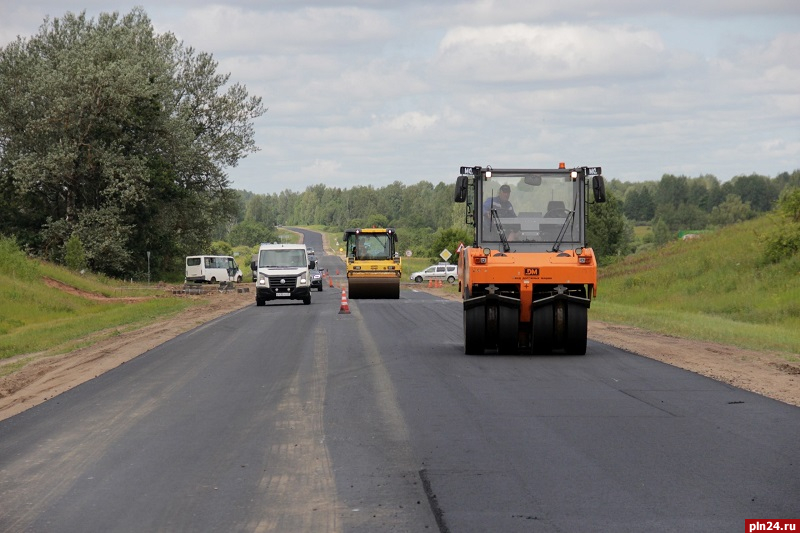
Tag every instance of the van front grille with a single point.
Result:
(282, 282)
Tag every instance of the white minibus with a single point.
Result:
(212, 269)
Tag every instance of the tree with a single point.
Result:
(250, 233)
(789, 204)
(672, 190)
(607, 232)
(105, 122)
(731, 211)
(661, 233)
(449, 239)
(784, 242)
(639, 204)
(75, 258)
(756, 190)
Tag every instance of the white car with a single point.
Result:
(442, 271)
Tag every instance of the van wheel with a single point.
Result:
(213, 280)
(239, 279)
(451, 279)
(418, 279)
(307, 300)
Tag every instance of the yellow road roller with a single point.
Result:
(373, 264)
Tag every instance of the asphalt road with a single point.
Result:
(295, 417)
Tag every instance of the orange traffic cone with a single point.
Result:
(344, 309)
(330, 281)
(430, 283)
(438, 284)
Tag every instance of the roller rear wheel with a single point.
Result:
(577, 324)
(543, 330)
(507, 330)
(474, 330)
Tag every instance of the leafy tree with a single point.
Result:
(672, 191)
(250, 233)
(639, 204)
(75, 258)
(661, 233)
(682, 216)
(756, 190)
(731, 211)
(220, 248)
(789, 204)
(784, 242)
(119, 135)
(378, 221)
(105, 238)
(449, 239)
(608, 233)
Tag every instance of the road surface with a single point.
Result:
(294, 418)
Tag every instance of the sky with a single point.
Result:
(369, 92)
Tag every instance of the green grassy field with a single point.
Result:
(712, 288)
(36, 318)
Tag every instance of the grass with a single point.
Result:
(37, 318)
(715, 288)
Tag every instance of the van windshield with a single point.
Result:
(282, 258)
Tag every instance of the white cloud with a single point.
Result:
(256, 30)
(413, 121)
(520, 52)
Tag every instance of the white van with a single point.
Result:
(212, 269)
(442, 271)
(283, 273)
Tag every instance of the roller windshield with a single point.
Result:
(530, 208)
(367, 246)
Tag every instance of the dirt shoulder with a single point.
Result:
(38, 378)
(768, 374)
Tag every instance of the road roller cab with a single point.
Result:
(528, 278)
(373, 264)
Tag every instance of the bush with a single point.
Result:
(783, 244)
(75, 257)
(13, 261)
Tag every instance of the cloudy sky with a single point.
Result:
(367, 92)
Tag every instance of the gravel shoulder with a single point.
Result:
(40, 378)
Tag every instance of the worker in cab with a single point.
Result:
(501, 203)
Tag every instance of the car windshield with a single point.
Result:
(291, 258)
(530, 208)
